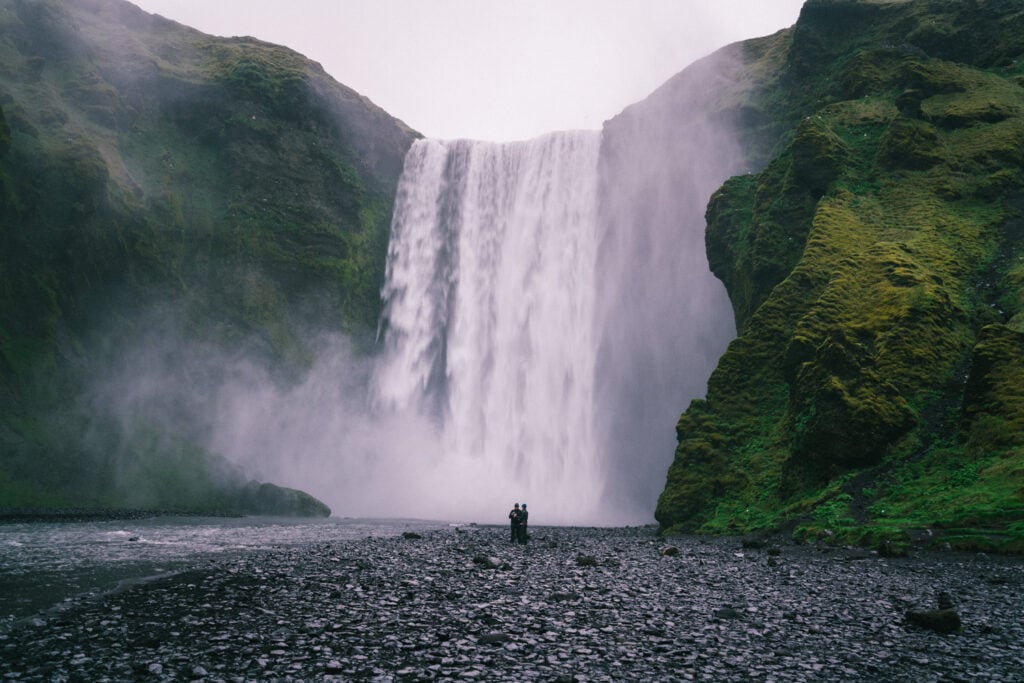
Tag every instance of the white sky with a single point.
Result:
(493, 69)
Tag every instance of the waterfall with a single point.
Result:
(490, 316)
(548, 315)
(549, 309)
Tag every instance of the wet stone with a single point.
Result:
(939, 620)
(391, 610)
(727, 613)
(494, 638)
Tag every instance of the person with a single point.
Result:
(523, 516)
(514, 519)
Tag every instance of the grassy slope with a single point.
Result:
(149, 174)
(875, 270)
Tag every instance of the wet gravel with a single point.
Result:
(575, 604)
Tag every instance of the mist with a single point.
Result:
(315, 433)
(549, 305)
(548, 315)
(320, 435)
(665, 319)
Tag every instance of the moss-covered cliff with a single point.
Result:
(876, 270)
(158, 181)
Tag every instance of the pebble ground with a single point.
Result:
(574, 605)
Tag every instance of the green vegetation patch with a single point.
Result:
(157, 183)
(873, 394)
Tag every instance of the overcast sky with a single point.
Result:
(493, 69)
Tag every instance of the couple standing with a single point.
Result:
(518, 516)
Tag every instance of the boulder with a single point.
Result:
(486, 561)
(938, 620)
(494, 639)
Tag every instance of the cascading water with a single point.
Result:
(549, 308)
(548, 314)
(490, 317)
(548, 305)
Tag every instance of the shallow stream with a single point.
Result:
(46, 565)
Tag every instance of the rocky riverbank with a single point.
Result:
(576, 604)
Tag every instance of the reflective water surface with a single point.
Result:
(46, 565)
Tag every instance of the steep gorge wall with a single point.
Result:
(874, 268)
(178, 194)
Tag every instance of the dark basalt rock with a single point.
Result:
(945, 619)
(727, 613)
(487, 561)
(415, 611)
(939, 620)
(494, 639)
(892, 549)
(269, 499)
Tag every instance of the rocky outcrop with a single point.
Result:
(276, 501)
(873, 267)
(159, 184)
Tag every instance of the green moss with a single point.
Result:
(270, 77)
(911, 144)
(870, 263)
(994, 395)
(5, 134)
(817, 154)
(227, 187)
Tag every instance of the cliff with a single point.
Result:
(157, 183)
(876, 270)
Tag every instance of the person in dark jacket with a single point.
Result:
(515, 520)
(523, 516)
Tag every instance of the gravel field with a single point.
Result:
(574, 605)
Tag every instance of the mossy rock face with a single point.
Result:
(844, 415)
(5, 134)
(700, 472)
(157, 183)
(910, 144)
(874, 269)
(994, 395)
(277, 501)
(727, 241)
(757, 226)
(818, 154)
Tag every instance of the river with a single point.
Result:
(46, 566)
